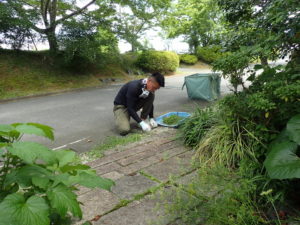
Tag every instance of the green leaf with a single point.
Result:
(63, 178)
(3, 144)
(8, 131)
(34, 128)
(41, 182)
(70, 168)
(31, 151)
(282, 161)
(23, 176)
(258, 67)
(33, 211)
(293, 128)
(6, 128)
(64, 200)
(64, 157)
(92, 180)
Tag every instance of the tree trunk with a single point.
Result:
(133, 47)
(263, 60)
(53, 47)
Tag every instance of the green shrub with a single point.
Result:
(158, 61)
(85, 48)
(188, 59)
(195, 127)
(128, 63)
(233, 67)
(210, 54)
(37, 184)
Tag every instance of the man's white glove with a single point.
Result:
(153, 123)
(145, 126)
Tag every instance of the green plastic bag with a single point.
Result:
(204, 86)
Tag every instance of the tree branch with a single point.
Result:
(25, 17)
(74, 13)
(53, 11)
(44, 9)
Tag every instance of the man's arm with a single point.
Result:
(151, 112)
(132, 98)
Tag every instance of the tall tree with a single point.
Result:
(195, 20)
(44, 16)
(135, 17)
(270, 27)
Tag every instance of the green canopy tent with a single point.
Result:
(204, 86)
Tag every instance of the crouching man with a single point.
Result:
(133, 96)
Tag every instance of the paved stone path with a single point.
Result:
(138, 170)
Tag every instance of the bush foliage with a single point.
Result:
(210, 54)
(158, 61)
(188, 59)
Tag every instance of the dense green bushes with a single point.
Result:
(235, 135)
(158, 61)
(210, 54)
(188, 59)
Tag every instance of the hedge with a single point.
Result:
(188, 59)
(158, 61)
(210, 54)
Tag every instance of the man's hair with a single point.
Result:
(159, 78)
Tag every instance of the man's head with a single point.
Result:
(155, 81)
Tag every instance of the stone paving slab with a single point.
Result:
(129, 186)
(114, 175)
(161, 143)
(147, 153)
(136, 213)
(159, 158)
(96, 202)
(107, 168)
(174, 166)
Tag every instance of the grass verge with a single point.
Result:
(32, 73)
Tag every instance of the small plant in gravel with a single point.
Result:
(37, 184)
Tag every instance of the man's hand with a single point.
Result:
(145, 126)
(153, 123)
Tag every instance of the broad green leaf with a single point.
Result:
(33, 211)
(24, 175)
(31, 151)
(41, 182)
(47, 130)
(6, 128)
(64, 200)
(63, 178)
(3, 144)
(35, 128)
(258, 67)
(69, 168)
(293, 128)
(92, 180)
(65, 156)
(282, 161)
(5, 220)
(7, 131)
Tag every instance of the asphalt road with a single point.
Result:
(84, 118)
